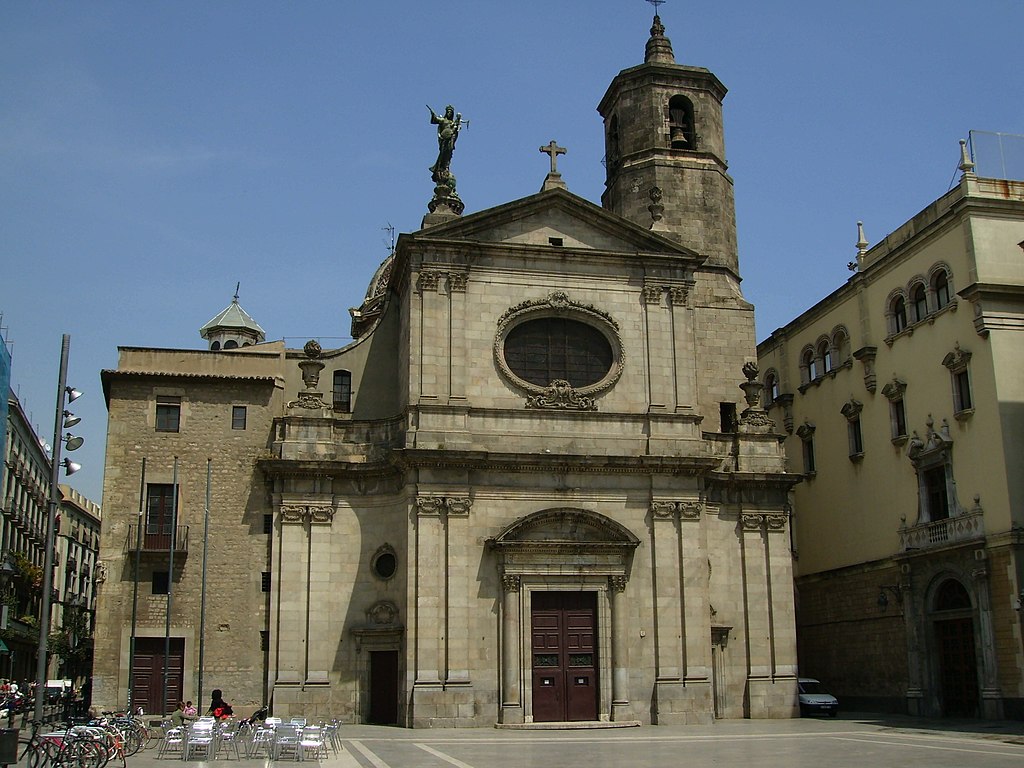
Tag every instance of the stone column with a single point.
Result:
(430, 564)
(428, 344)
(659, 366)
(783, 612)
(511, 667)
(457, 320)
(757, 598)
(291, 587)
(683, 358)
(669, 659)
(321, 641)
(696, 616)
(620, 649)
(991, 693)
(460, 578)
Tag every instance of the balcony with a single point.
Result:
(157, 539)
(943, 533)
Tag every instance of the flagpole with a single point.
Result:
(135, 587)
(202, 603)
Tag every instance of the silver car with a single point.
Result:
(815, 699)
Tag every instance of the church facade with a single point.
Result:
(538, 486)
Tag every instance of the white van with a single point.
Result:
(814, 698)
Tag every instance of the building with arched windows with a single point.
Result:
(538, 486)
(903, 395)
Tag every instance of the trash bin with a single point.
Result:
(8, 746)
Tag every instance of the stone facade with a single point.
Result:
(901, 392)
(535, 486)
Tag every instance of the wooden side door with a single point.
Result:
(958, 669)
(148, 674)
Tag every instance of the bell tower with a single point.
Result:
(663, 128)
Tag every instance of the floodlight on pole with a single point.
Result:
(65, 394)
(70, 419)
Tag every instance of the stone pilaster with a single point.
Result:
(667, 598)
(320, 640)
(659, 339)
(457, 322)
(430, 582)
(511, 659)
(684, 368)
(991, 693)
(461, 577)
(621, 709)
(293, 606)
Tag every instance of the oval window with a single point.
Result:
(549, 348)
(384, 565)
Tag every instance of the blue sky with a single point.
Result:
(153, 154)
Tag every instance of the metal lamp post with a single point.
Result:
(65, 394)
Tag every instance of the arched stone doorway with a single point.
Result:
(563, 647)
(955, 652)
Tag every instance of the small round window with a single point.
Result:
(548, 348)
(384, 564)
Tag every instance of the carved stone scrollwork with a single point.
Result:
(382, 613)
(429, 506)
(678, 295)
(453, 506)
(663, 509)
(427, 280)
(309, 401)
(458, 505)
(617, 583)
(291, 513)
(457, 282)
(561, 395)
(510, 583)
(751, 521)
(652, 293)
(690, 510)
(775, 521)
(321, 515)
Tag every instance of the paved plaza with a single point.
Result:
(845, 742)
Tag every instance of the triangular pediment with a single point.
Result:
(555, 218)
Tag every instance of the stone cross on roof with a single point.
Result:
(553, 151)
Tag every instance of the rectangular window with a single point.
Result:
(856, 438)
(264, 640)
(342, 391)
(268, 524)
(238, 417)
(159, 508)
(809, 467)
(898, 419)
(727, 412)
(962, 400)
(161, 582)
(265, 581)
(935, 493)
(168, 413)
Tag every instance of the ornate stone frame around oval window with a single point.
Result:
(559, 395)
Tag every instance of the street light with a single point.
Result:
(65, 395)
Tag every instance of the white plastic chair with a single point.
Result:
(201, 737)
(174, 741)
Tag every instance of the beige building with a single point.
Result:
(537, 485)
(903, 396)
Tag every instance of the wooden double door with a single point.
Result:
(564, 656)
(148, 674)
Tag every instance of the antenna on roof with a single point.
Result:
(391, 237)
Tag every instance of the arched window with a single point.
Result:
(841, 345)
(951, 596)
(230, 344)
(771, 388)
(825, 355)
(215, 346)
(940, 285)
(919, 297)
(680, 124)
(898, 311)
(808, 366)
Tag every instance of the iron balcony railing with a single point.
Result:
(157, 538)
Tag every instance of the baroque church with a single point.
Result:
(537, 486)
